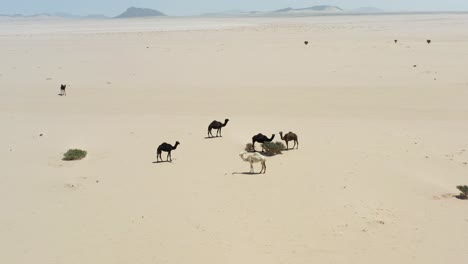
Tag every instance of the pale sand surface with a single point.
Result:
(382, 144)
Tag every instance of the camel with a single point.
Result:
(218, 126)
(306, 42)
(396, 41)
(290, 137)
(428, 41)
(166, 148)
(62, 90)
(260, 138)
(254, 158)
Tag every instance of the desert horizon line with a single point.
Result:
(239, 11)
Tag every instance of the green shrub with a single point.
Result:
(74, 154)
(273, 148)
(464, 192)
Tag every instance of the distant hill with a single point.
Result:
(228, 13)
(57, 15)
(320, 8)
(140, 12)
(368, 9)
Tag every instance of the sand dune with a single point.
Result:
(383, 144)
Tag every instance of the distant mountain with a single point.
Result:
(368, 9)
(43, 15)
(320, 8)
(64, 15)
(53, 16)
(140, 12)
(233, 12)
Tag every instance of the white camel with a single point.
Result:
(254, 158)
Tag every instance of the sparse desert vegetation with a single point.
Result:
(463, 192)
(273, 148)
(74, 154)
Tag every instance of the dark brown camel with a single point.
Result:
(166, 148)
(396, 41)
(260, 138)
(428, 41)
(290, 137)
(62, 90)
(218, 126)
(306, 42)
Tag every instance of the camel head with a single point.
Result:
(272, 137)
(241, 155)
(176, 144)
(226, 121)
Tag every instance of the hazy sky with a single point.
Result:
(187, 7)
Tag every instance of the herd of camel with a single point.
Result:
(246, 156)
(252, 158)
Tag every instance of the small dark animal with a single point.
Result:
(260, 138)
(306, 42)
(218, 126)
(63, 92)
(166, 148)
(290, 137)
(428, 41)
(396, 41)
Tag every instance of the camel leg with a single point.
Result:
(251, 168)
(253, 146)
(264, 167)
(169, 156)
(220, 133)
(287, 145)
(297, 144)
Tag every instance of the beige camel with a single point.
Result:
(254, 158)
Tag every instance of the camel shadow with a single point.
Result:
(212, 137)
(60, 94)
(289, 149)
(162, 161)
(247, 173)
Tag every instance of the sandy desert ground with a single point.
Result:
(383, 144)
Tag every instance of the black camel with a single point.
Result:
(218, 126)
(260, 138)
(62, 90)
(166, 148)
